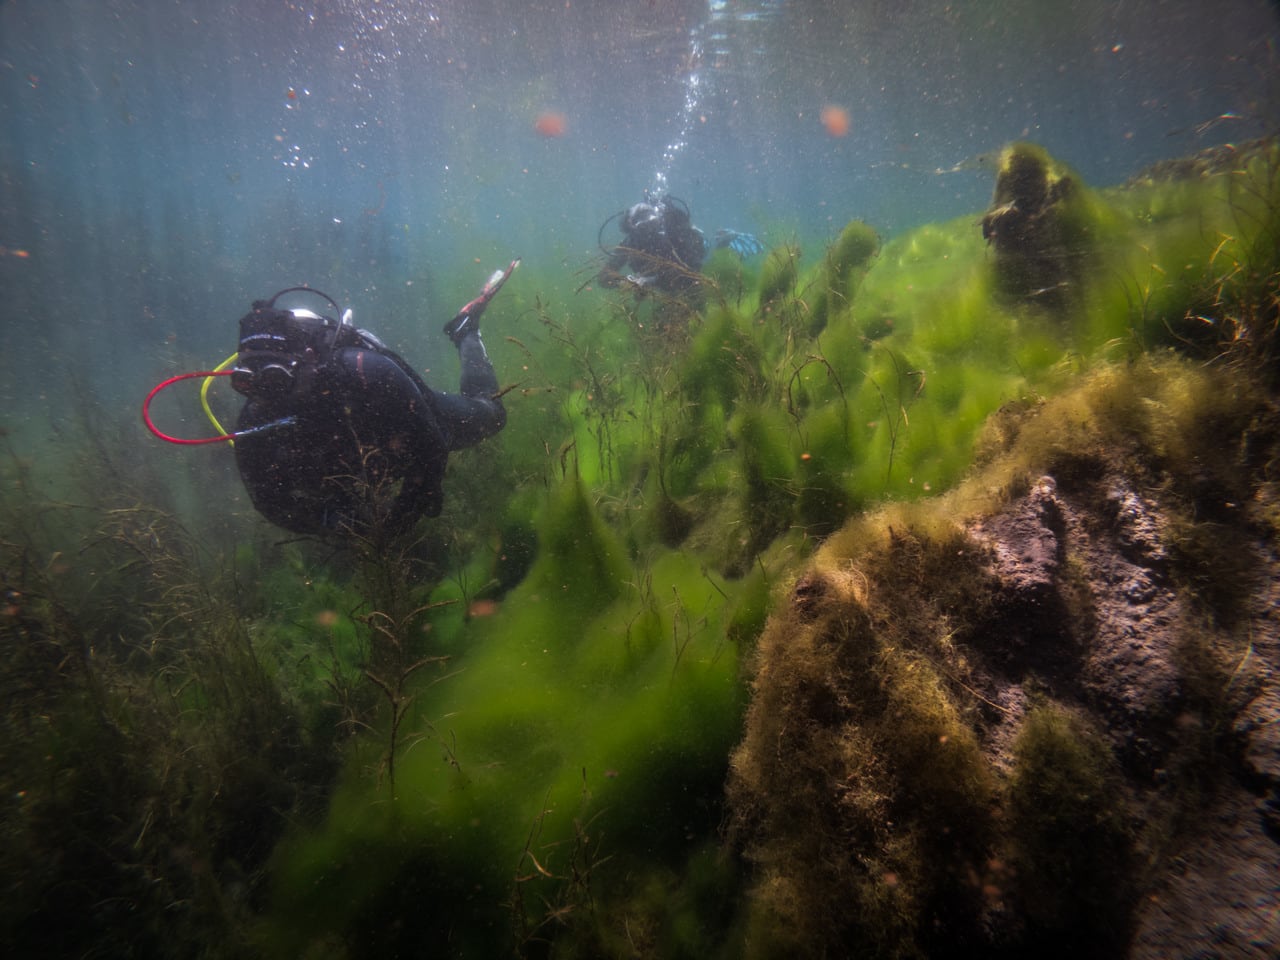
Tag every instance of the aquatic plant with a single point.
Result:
(778, 276)
(581, 668)
(845, 262)
(149, 753)
(1072, 855)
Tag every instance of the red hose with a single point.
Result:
(146, 409)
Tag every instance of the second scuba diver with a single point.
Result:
(663, 249)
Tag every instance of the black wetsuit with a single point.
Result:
(362, 438)
(661, 245)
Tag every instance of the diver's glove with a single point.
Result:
(743, 244)
(467, 320)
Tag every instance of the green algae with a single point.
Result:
(593, 693)
(846, 263)
(1073, 851)
(778, 276)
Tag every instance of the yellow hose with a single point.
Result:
(204, 394)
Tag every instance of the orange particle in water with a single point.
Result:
(291, 94)
(21, 254)
(483, 608)
(549, 123)
(835, 120)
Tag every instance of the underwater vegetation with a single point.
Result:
(151, 741)
(956, 744)
(735, 542)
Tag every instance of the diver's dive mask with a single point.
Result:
(279, 346)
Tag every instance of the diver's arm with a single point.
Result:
(743, 244)
(611, 274)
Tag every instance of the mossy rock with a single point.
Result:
(1039, 225)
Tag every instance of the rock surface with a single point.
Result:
(1215, 892)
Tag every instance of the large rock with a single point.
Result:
(1048, 728)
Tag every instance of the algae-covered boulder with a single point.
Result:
(1037, 224)
(1004, 721)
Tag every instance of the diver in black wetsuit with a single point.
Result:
(660, 244)
(663, 248)
(339, 434)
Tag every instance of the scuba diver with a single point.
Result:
(339, 435)
(663, 248)
(339, 431)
